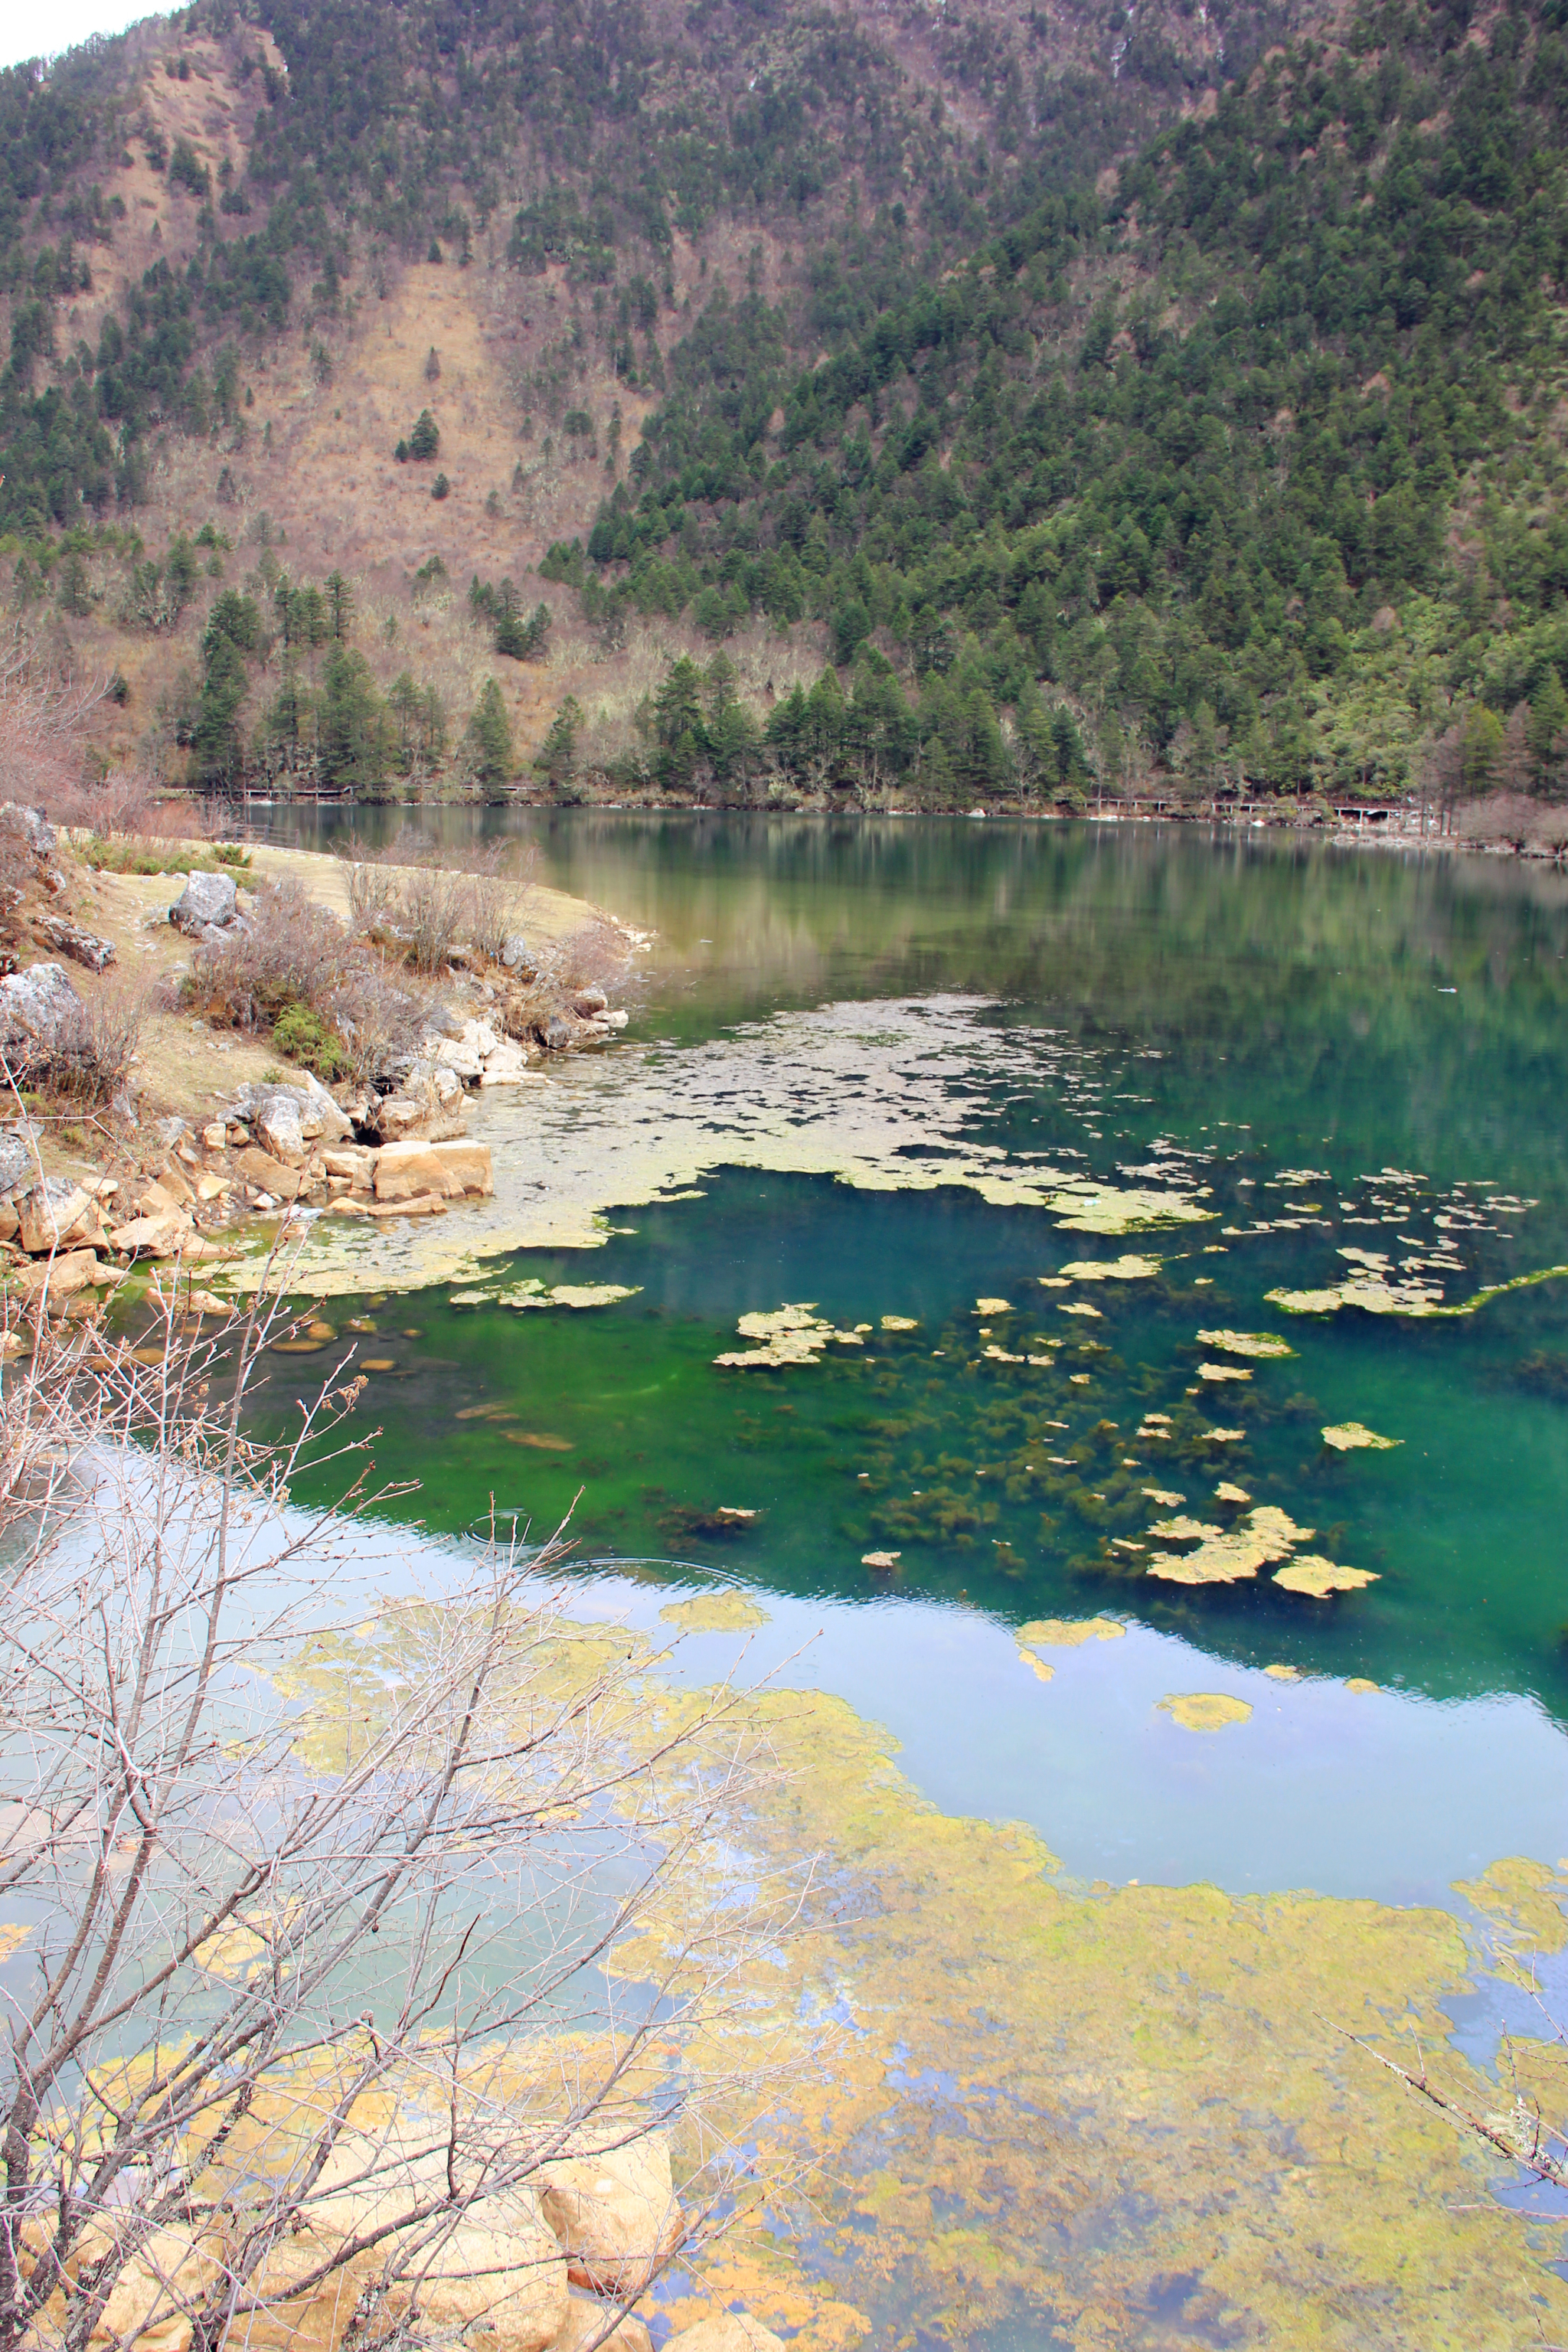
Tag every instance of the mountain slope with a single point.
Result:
(889, 400)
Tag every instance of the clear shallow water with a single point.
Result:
(1309, 1009)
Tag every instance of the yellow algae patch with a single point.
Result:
(1226, 1493)
(730, 1611)
(1078, 1307)
(1105, 1209)
(1127, 1268)
(564, 1294)
(1205, 1710)
(1263, 1344)
(882, 1560)
(1359, 1684)
(1048, 2104)
(1523, 1900)
(900, 1323)
(790, 1335)
(1346, 1436)
(1283, 1674)
(1265, 1536)
(993, 1307)
(541, 1440)
(1041, 1667)
(1309, 1572)
(1223, 1372)
(1069, 1632)
(1221, 1436)
(1164, 1497)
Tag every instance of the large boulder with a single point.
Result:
(586, 2322)
(287, 1115)
(278, 1129)
(726, 2331)
(55, 1214)
(36, 1003)
(151, 2302)
(408, 1172)
(615, 2214)
(468, 1165)
(32, 826)
(70, 938)
(17, 1160)
(63, 1276)
(498, 2281)
(207, 901)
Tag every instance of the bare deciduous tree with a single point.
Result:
(310, 1919)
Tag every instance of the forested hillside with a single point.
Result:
(782, 402)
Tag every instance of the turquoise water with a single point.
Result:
(1260, 1029)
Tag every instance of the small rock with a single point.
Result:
(515, 952)
(208, 900)
(556, 1034)
(448, 1085)
(616, 1019)
(161, 1236)
(214, 1136)
(460, 1055)
(354, 1160)
(260, 1170)
(588, 1002)
(396, 1114)
(507, 1066)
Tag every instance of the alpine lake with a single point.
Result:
(1078, 1317)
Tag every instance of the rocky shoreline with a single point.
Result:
(204, 1187)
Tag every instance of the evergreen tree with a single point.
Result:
(351, 732)
(340, 606)
(557, 756)
(488, 740)
(424, 440)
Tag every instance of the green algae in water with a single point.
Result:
(1230, 971)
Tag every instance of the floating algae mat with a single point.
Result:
(1281, 1131)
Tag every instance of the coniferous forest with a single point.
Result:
(922, 408)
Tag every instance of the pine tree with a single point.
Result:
(488, 739)
(340, 606)
(558, 753)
